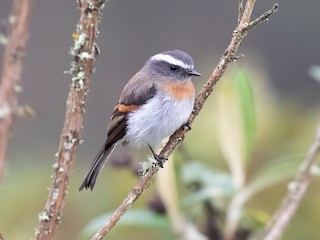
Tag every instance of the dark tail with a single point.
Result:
(96, 166)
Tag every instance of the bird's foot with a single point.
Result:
(160, 160)
(187, 126)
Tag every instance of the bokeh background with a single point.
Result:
(278, 55)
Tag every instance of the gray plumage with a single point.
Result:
(153, 105)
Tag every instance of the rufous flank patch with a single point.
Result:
(127, 108)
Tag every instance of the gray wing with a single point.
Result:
(138, 90)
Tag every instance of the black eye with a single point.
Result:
(173, 68)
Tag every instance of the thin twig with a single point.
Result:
(228, 57)
(264, 17)
(240, 10)
(83, 53)
(11, 71)
(296, 191)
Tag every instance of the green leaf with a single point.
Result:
(214, 182)
(243, 87)
(204, 194)
(258, 216)
(273, 173)
(230, 131)
(236, 120)
(140, 218)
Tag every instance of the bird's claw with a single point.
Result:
(187, 125)
(160, 160)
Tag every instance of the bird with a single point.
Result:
(154, 103)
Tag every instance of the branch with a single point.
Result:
(264, 17)
(240, 10)
(11, 71)
(228, 57)
(83, 53)
(296, 191)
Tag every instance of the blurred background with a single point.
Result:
(267, 101)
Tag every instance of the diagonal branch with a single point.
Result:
(83, 53)
(228, 57)
(11, 71)
(296, 191)
(264, 17)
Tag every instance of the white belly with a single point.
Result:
(156, 119)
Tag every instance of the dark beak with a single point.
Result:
(194, 73)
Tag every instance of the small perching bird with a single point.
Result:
(156, 101)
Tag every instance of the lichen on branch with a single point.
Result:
(83, 53)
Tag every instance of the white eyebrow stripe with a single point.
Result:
(171, 60)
